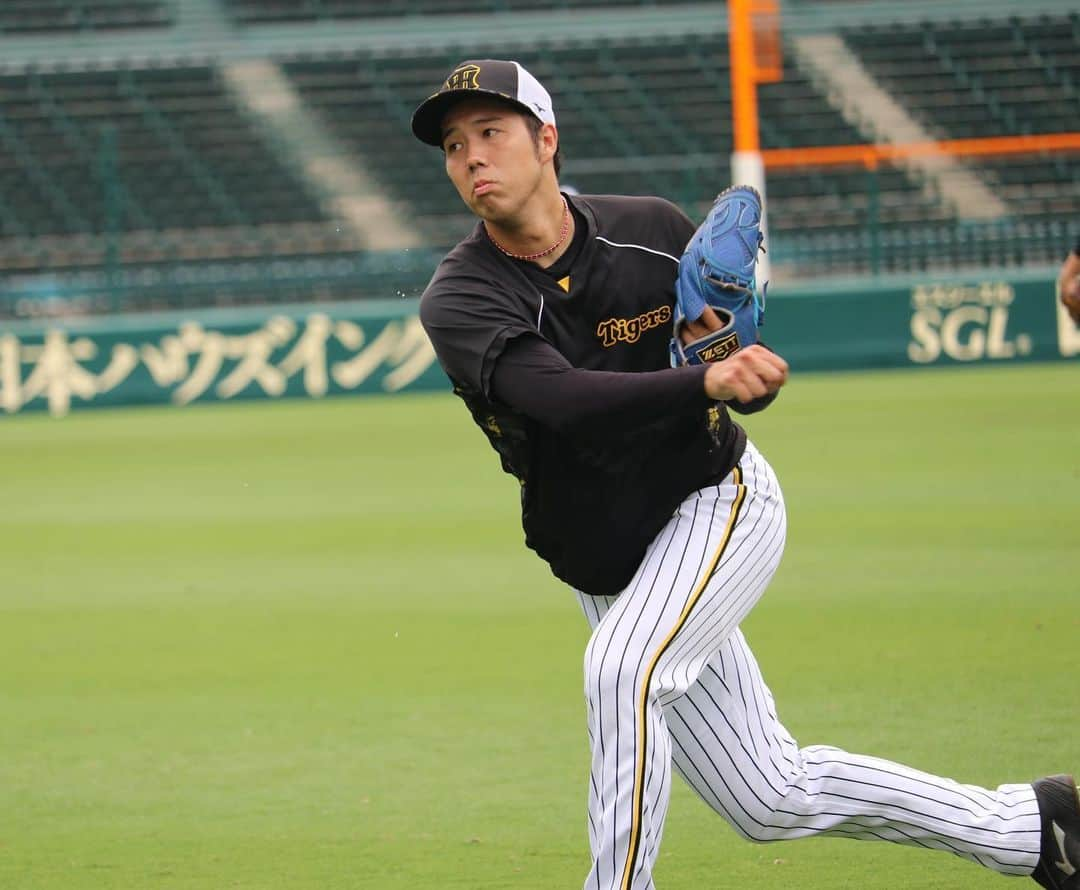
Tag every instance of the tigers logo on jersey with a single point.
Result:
(464, 78)
(629, 330)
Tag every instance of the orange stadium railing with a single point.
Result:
(872, 154)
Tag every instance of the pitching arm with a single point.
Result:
(534, 379)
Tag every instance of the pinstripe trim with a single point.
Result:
(642, 727)
(674, 259)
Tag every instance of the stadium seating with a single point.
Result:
(252, 12)
(139, 151)
(979, 79)
(58, 16)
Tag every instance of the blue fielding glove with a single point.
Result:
(717, 269)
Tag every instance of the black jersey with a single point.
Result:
(594, 496)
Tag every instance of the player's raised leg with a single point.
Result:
(731, 748)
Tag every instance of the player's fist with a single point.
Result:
(749, 374)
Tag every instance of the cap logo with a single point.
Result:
(464, 78)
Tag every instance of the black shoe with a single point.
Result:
(1059, 810)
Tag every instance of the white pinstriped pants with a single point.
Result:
(669, 679)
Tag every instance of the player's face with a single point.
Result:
(492, 158)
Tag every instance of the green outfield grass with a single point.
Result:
(300, 644)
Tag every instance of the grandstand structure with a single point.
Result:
(160, 153)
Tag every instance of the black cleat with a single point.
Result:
(1059, 811)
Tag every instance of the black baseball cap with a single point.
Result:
(502, 79)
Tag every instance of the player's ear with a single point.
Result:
(548, 142)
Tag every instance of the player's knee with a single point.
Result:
(762, 820)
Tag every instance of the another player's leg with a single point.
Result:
(699, 579)
(731, 748)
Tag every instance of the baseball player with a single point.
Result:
(554, 322)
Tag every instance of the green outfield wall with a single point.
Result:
(317, 351)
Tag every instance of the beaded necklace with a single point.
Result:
(535, 256)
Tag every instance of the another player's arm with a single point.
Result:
(533, 378)
(1069, 284)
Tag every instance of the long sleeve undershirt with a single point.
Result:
(534, 379)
